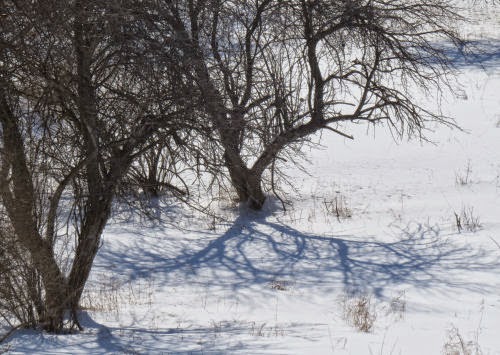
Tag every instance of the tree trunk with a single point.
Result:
(248, 186)
(88, 245)
(55, 305)
(19, 202)
(256, 196)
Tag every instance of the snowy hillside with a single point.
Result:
(388, 248)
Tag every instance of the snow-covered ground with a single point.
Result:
(293, 283)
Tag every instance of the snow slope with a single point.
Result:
(282, 283)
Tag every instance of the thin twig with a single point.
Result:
(494, 241)
(338, 132)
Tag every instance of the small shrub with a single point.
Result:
(467, 221)
(359, 313)
(20, 285)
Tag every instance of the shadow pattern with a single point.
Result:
(258, 251)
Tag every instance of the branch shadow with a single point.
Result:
(100, 339)
(255, 251)
(479, 53)
(260, 250)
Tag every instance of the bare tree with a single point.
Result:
(79, 100)
(274, 72)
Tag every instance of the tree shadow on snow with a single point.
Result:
(262, 250)
(100, 339)
(479, 54)
(259, 251)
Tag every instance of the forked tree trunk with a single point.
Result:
(248, 186)
(19, 199)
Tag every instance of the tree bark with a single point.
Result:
(88, 245)
(248, 186)
(19, 203)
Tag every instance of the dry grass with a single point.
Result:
(397, 306)
(456, 344)
(109, 294)
(260, 330)
(463, 177)
(359, 312)
(338, 207)
(466, 220)
(281, 285)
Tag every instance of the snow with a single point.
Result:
(278, 283)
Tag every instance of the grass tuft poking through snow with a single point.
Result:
(359, 312)
(467, 220)
(456, 344)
